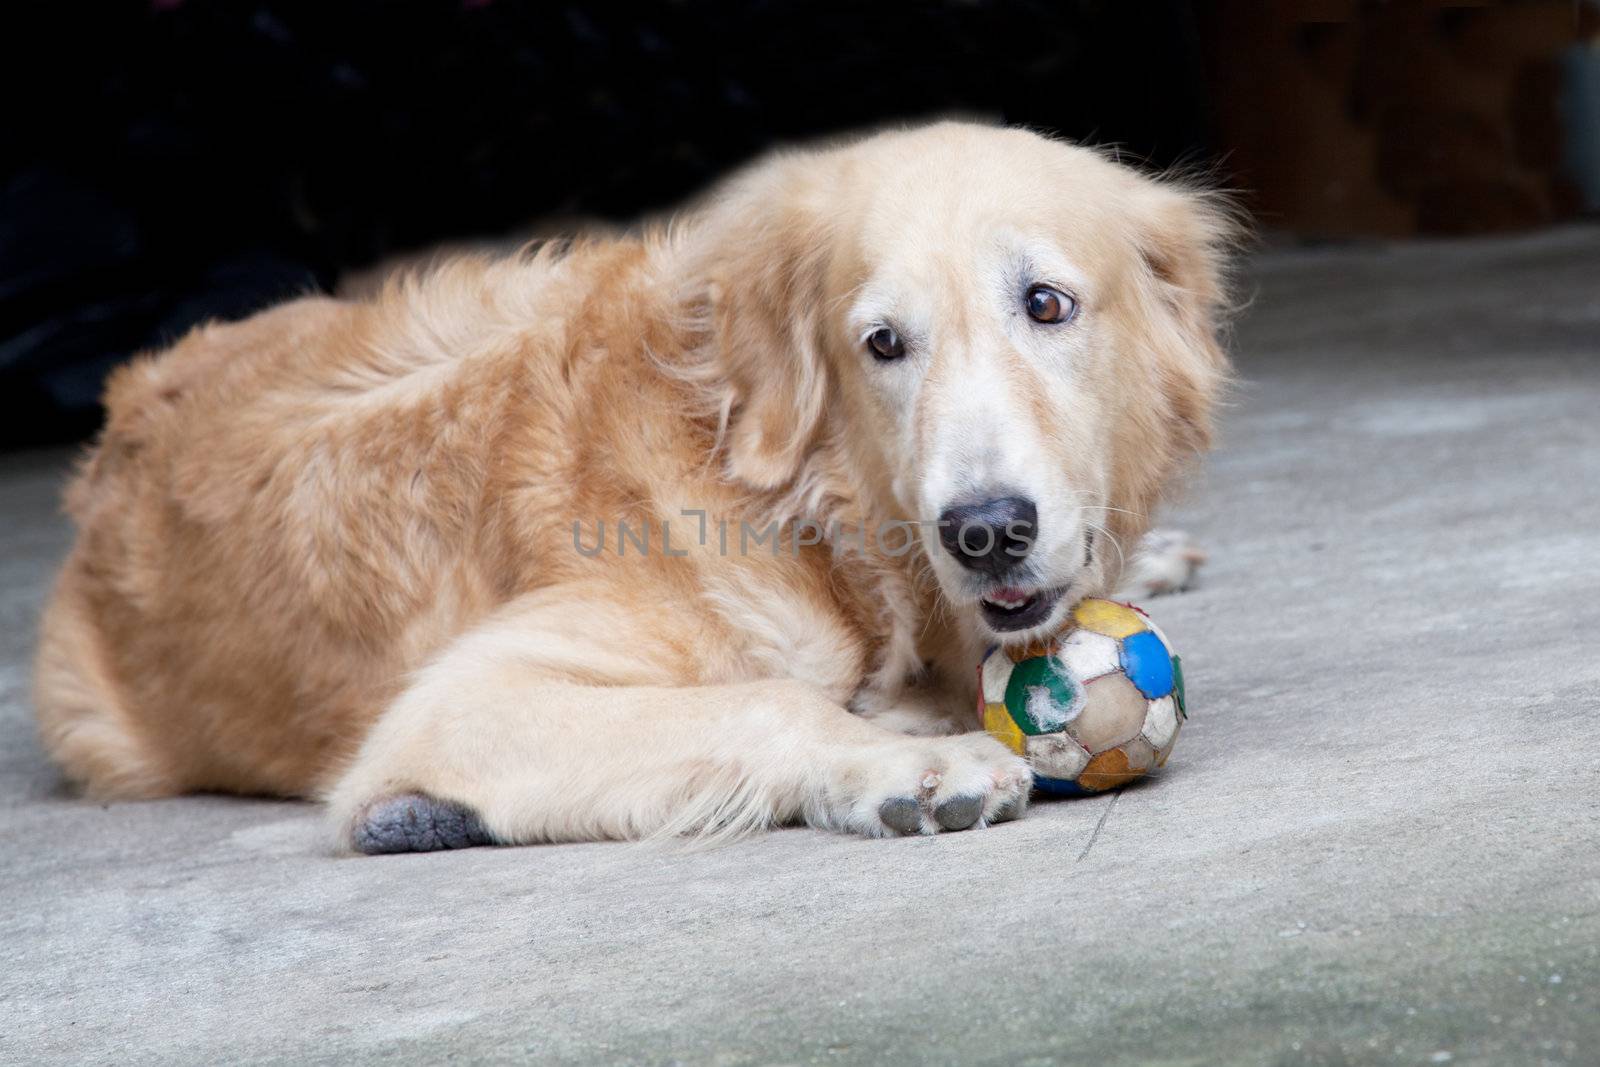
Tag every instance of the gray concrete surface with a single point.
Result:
(1377, 840)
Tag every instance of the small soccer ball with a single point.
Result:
(1093, 707)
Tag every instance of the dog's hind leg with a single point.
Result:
(82, 721)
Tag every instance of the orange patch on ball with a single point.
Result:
(1107, 771)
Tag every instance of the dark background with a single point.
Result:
(175, 161)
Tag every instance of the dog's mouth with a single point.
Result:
(1009, 608)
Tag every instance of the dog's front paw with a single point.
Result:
(923, 786)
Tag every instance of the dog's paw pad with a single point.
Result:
(412, 822)
(903, 815)
(1007, 811)
(959, 812)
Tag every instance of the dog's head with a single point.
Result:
(1013, 340)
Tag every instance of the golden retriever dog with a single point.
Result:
(684, 533)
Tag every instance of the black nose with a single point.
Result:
(991, 537)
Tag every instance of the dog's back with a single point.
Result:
(150, 591)
(272, 525)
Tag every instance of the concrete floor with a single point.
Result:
(1378, 840)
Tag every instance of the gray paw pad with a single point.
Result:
(901, 814)
(412, 822)
(958, 813)
(1007, 811)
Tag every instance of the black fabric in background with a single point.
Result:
(171, 162)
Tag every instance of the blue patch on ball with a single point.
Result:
(1061, 787)
(1148, 664)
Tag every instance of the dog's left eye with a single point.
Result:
(1049, 305)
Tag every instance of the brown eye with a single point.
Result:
(1048, 305)
(886, 344)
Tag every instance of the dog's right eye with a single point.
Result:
(886, 344)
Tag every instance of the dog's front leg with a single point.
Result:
(923, 711)
(493, 743)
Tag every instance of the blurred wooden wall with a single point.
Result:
(1359, 119)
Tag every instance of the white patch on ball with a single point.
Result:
(1088, 655)
(1162, 722)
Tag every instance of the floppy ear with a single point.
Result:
(761, 251)
(1185, 239)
